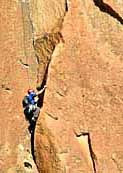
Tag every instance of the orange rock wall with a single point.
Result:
(80, 125)
(84, 93)
(15, 51)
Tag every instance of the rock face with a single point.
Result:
(80, 125)
(17, 70)
(47, 15)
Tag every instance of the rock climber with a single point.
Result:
(31, 108)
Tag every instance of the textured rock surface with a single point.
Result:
(20, 23)
(15, 53)
(81, 123)
(47, 15)
(84, 95)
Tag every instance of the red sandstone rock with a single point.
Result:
(85, 94)
(14, 136)
(83, 102)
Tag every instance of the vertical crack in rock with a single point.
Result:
(32, 144)
(92, 154)
(28, 35)
(44, 48)
(107, 9)
(66, 5)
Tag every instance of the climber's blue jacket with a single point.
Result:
(31, 98)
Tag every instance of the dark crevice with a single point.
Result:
(28, 24)
(24, 64)
(37, 59)
(41, 96)
(28, 165)
(107, 9)
(52, 116)
(3, 86)
(43, 81)
(93, 156)
(47, 46)
(44, 48)
(39, 104)
(66, 5)
(32, 126)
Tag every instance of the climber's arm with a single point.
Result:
(41, 91)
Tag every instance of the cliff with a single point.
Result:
(75, 47)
